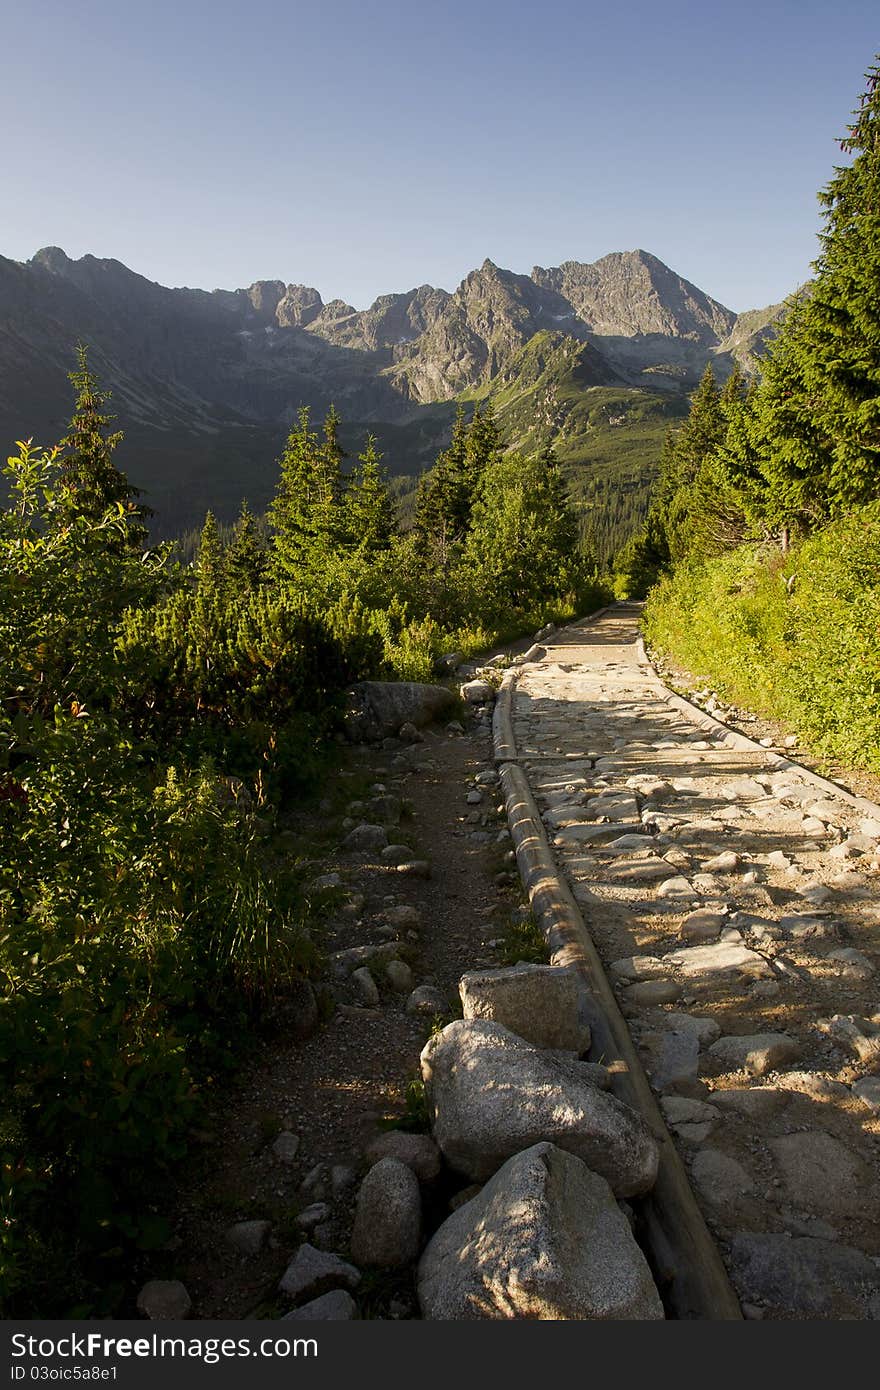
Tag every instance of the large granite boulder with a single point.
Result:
(538, 1002)
(377, 709)
(543, 1239)
(492, 1094)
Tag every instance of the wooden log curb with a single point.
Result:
(685, 1261)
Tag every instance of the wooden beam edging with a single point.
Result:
(685, 1261)
(503, 741)
(732, 738)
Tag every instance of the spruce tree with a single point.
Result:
(818, 411)
(96, 484)
(246, 554)
(369, 509)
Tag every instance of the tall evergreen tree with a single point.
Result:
(369, 508)
(818, 410)
(246, 554)
(87, 459)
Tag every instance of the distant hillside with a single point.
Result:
(594, 358)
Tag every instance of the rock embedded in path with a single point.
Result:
(286, 1146)
(537, 1002)
(672, 1059)
(544, 1239)
(388, 1217)
(867, 1090)
(312, 1272)
(427, 1000)
(477, 692)
(758, 1053)
(417, 1151)
(399, 976)
(164, 1300)
(249, 1237)
(713, 962)
(801, 1275)
(365, 987)
(818, 1171)
(493, 1094)
(336, 1306)
(366, 838)
(703, 925)
(377, 709)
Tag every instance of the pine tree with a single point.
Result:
(246, 554)
(210, 563)
(369, 508)
(96, 484)
(818, 410)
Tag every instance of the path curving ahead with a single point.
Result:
(733, 900)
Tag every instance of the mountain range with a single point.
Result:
(596, 358)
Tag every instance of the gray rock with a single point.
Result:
(427, 1000)
(544, 1239)
(721, 1181)
(638, 968)
(757, 1103)
(649, 992)
(344, 962)
(679, 887)
(388, 1217)
(312, 1272)
(812, 1278)
(342, 1178)
(724, 863)
(860, 1035)
(718, 961)
(679, 1110)
(705, 1030)
(399, 976)
(867, 1090)
(417, 1151)
(809, 1084)
(702, 925)
(758, 1053)
(818, 1171)
(671, 1058)
(249, 1237)
(477, 692)
(366, 838)
(493, 1094)
(365, 987)
(164, 1300)
(408, 733)
(538, 1002)
(286, 1146)
(404, 916)
(377, 709)
(327, 881)
(336, 1306)
(396, 854)
(312, 1216)
(856, 965)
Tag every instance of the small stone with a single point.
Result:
(672, 1059)
(415, 868)
(758, 1053)
(286, 1146)
(365, 987)
(721, 1181)
(856, 966)
(368, 838)
(726, 863)
(809, 1084)
(702, 925)
(474, 798)
(336, 1306)
(790, 741)
(705, 1030)
(757, 1103)
(427, 1000)
(396, 854)
(867, 1090)
(818, 1171)
(650, 992)
(675, 888)
(476, 692)
(807, 1277)
(342, 1178)
(537, 1002)
(408, 733)
(399, 976)
(312, 1271)
(327, 882)
(164, 1300)
(680, 1110)
(249, 1237)
(312, 1216)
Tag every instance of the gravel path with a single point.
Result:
(735, 908)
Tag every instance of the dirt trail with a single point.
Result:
(333, 1090)
(735, 907)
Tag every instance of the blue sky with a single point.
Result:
(369, 147)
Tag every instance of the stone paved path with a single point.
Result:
(736, 910)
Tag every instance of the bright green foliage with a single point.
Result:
(791, 636)
(522, 545)
(307, 516)
(210, 561)
(95, 483)
(246, 556)
(369, 508)
(447, 493)
(819, 408)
